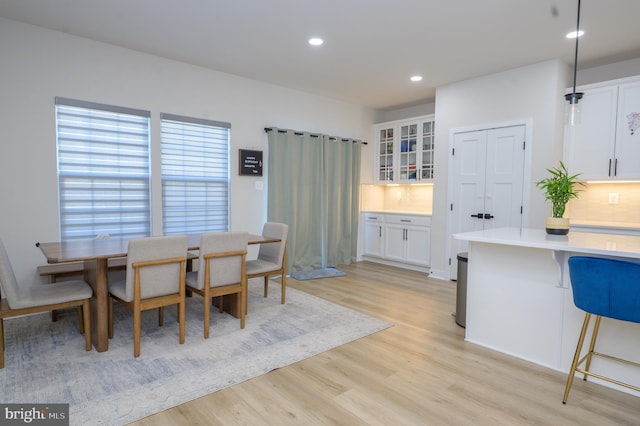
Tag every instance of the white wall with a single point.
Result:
(39, 64)
(622, 69)
(533, 93)
(426, 108)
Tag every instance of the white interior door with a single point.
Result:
(487, 172)
(468, 164)
(504, 177)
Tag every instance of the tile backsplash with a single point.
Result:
(397, 198)
(607, 203)
(595, 205)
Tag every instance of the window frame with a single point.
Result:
(80, 170)
(210, 177)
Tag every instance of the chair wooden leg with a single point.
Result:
(266, 285)
(220, 304)
(592, 345)
(207, 317)
(80, 319)
(161, 316)
(136, 333)
(110, 317)
(181, 316)
(1, 343)
(284, 287)
(241, 312)
(576, 357)
(86, 320)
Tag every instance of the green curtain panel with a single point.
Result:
(340, 206)
(313, 186)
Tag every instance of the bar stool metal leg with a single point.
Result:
(592, 345)
(576, 356)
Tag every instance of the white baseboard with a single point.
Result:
(409, 266)
(438, 274)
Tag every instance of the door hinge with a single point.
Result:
(453, 151)
(524, 143)
(521, 209)
(451, 208)
(449, 261)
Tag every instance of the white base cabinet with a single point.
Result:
(397, 239)
(373, 224)
(520, 301)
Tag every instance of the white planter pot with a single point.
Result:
(557, 225)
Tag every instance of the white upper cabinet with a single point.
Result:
(384, 153)
(591, 143)
(405, 150)
(605, 145)
(627, 151)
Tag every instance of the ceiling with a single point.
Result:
(371, 47)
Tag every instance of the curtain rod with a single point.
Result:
(333, 138)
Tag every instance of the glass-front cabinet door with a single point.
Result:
(385, 154)
(405, 150)
(426, 166)
(408, 152)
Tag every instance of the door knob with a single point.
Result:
(488, 216)
(479, 215)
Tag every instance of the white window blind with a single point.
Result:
(103, 170)
(195, 175)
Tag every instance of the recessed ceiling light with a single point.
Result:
(416, 78)
(315, 41)
(572, 34)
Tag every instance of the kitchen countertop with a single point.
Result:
(608, 225)
(582, 242)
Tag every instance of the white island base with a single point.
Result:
(519, 299)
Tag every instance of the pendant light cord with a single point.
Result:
(575, 61)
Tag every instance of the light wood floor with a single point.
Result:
(418, 372)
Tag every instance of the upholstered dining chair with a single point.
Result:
(221, 271)
(608, 288)
(40, 298)
(155, 278)
(271, 257)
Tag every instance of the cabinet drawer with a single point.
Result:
(408, 220)
(373, 217)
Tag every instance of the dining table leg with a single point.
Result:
(96, 274)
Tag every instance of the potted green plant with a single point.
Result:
(559, 188)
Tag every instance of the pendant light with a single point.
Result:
(573, 115)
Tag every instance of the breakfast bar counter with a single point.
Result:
(519, 298)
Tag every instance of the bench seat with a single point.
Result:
(54, 270)
(65, 269)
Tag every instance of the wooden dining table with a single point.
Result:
(95, 255)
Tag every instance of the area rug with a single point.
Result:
(317, 273)
(46, 362)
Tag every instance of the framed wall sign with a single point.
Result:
(250, 163)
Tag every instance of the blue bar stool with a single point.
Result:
(605, 288)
